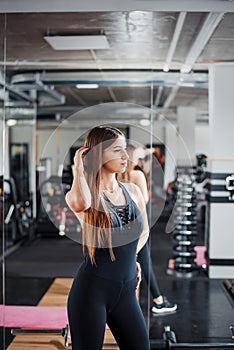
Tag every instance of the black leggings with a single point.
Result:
(145, 261)
(94, 301)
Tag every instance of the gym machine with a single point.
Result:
(219, 233)
(54, 207)
(230, 186)
(17, 215)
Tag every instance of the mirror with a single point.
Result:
(2, 150)
(19, 189)
(47, 113)
(147, 71)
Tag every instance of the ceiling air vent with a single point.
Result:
(78, 42)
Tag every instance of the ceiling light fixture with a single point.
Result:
(11, 122)
(145, 122)
(78, 42)
(87, 86)
(208, 28)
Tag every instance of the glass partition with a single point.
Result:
(40, 130)
(18, 181)
(2, 149)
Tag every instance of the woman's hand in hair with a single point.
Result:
(79, 159)
(79, 196)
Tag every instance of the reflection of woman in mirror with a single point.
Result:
(135, 175)
(115, 228)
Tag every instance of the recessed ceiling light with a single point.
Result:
(11, 122)
(87, 86)
(145, 122)
(78, 42)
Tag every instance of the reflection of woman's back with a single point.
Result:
(136, 175)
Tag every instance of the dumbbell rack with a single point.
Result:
(185, 228)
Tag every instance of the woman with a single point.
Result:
(135, 175)
(115, 228)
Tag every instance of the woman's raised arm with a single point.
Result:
(79, 196)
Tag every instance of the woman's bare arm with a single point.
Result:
(145, 233)
(79, 196)
(138, 178)
(138, 198)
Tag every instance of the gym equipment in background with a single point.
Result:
(54, 207)
(17, 215)
(229, 285)
(219, 194)
(45, 320)
(230, 186)
(169, 342)
(186, 200)
(19, 169)
(183, 263)
(200, 172)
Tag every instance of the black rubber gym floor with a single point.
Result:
(205, 309)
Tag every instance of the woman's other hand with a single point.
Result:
(138, 266)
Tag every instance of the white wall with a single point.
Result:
(201, 146)
(202, 139)
(145, 135)
(186, 119)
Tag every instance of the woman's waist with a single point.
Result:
(113, 270)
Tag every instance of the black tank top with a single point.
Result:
(127, 225)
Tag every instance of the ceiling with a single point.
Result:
(132, 70)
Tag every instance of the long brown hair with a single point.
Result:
(130, 166)
(97, 220)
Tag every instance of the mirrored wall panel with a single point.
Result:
(49, 106)
(109, 145)
(18, 185)
(2, 128)
(62, 74)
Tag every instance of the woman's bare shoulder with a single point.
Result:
(137, 174)
(135, 193)
(131, 187)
